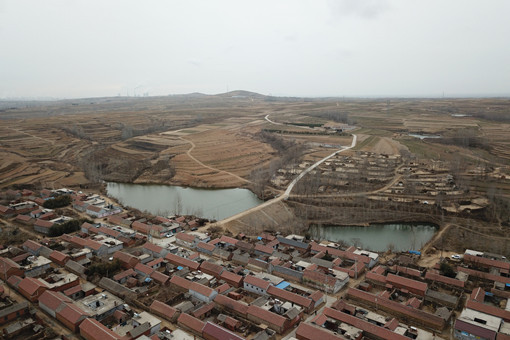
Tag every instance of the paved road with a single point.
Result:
(286, 195)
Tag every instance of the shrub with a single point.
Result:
(57, 202)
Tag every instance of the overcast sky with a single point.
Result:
(95, 48)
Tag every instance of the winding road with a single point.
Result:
(287, 192)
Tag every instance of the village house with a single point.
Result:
(205, 248)
(191, 324)
(101, 305)
(6, 212)
(154, 250)
(91, 329)
(13, 312)
(30, 288)
(256, 285)
(165, 311)
(24, 219)
(42, 226)
(63, 309)
(32, 247)
(127, 260)
(36, 266)
(159, 277)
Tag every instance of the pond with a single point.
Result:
(421, 136)
(166, 200)
(378, 237)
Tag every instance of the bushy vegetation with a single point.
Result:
(334, 115)
(67, 227)
(58, 202)
(447, 270)
(103, 268)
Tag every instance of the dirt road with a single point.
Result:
(188, 153)
(287, 192)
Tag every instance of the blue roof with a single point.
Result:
(259, 238)
(180, 268)
(283, 285)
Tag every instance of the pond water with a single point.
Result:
(169, 200)
(377, 237)
(420, 136)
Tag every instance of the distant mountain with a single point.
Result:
(190, 95)
(241, 94)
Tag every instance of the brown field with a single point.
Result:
(218, 141)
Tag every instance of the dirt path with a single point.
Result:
(206, 166)
(33, 136)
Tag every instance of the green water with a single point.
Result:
(168, 200)
(377, 237)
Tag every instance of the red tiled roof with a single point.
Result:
(159, 277)
(211, 268)
(412, 313)
(366, 326)
(191, 322)
(214, 241)
(206, 246)
(340, 253)
(23, 218)
(126, 258)
(181, 261)
(411, 285)
(318, 276)
(180, 282)
(152, 247)
(58, 256)
(94, 208)
(486, 262)
(31, 285)
(32, 245)
(231, 304)
(228, 239)
(214, 331)
(144, 268)
(484, 275)
(97, 331)
(72, 290)
(72, 313)
(156, 261)
(267, 316)
(409, 271)
(163, 309)
(125, 273)
(316, 296)
(263, 248)
(53, 300)
(289, 296)
(255, 281)
(224, 287)
(109, 232)
(434, 276)
(201, 289)
(43, 223)
(231, 277)
(185, 237)
(204, 309)
(306, 331)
